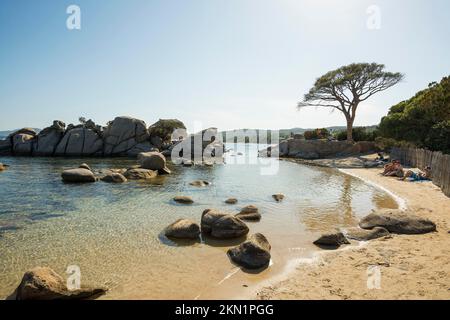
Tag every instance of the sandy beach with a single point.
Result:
(412, 266)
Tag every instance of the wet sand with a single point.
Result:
(412, 266)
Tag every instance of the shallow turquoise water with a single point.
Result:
(113, 231)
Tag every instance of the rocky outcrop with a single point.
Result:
(80, 141)
(48, 139)
(43, 283)
(183, 199)
(183, 229)
(123, 134)
(79, 175)
(399, 222)
(331, 240)
(253, 253)
(318, 149)
(249, 213)
(366, 235)
(140, 174)
(222, 225)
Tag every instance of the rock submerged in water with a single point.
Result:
(331, 240)
(43, 283)
(79, 175)
(278, 197)
(139, 174)
(253, 253)
(365, 235)
(399, 222)
(199, 183)
(231, 201)
(183, 199)
(183, 229)
(114, 177)
(2, 167)
(222, 225)
(249, 213)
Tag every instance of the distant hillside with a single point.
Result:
(286, 133)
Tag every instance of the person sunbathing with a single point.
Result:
(417, 176)
(393, 169)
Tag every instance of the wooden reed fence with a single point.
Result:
(420, 158)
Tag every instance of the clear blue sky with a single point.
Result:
(226, 63)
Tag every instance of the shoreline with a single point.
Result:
(342, 274)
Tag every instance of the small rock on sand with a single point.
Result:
(399, 222)
(43, 283)
(331, 240)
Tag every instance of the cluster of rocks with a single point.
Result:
(377, 225)
(124, 136)
(151, 164)
(254, 253)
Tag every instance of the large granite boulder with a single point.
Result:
(78, 175)
(163, 130)
(80, 141)
(222, 225)
(152, 160)
(123, 134)
(183, 229)
(399, 222)
(47, 140)
(43, 283)
(253, 253)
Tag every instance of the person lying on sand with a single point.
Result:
(420, 176)
(393, 169)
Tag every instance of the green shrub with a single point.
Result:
(317, 134)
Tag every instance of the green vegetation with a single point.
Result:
(423, 120)
(317, 134)
(358, 133)
(345, 88)
(164, 128)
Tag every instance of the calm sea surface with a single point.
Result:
(113, 231)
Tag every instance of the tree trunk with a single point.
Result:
(350, 129)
